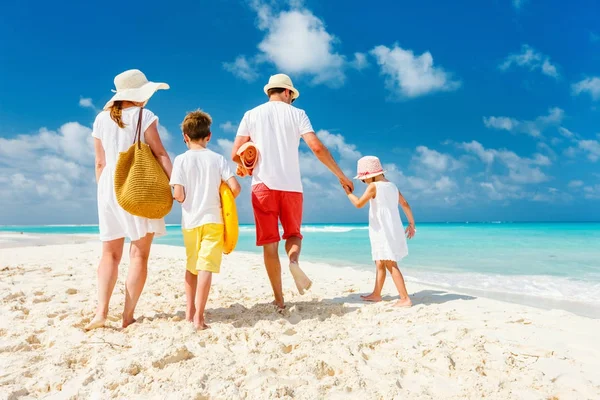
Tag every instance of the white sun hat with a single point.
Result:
(281, 81)
(132, 85)
(369, 167)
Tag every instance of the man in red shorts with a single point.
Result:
(276, 127)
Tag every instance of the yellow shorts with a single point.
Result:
(204, 248)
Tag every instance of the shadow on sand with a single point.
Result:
(241, 316)
(425, 297)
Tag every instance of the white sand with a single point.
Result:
(327, 345)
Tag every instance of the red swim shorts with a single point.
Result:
(272, 206)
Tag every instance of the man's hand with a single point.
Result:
(347, 184)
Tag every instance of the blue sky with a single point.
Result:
(480, 110)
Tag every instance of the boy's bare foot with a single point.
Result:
(97, 322)
(371, 297)
(403, 303)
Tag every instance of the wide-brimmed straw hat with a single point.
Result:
(281, 81)
(132, 85)
(369, 167)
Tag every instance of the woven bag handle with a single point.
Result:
(138, 131)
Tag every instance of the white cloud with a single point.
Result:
(521, 170)
(435, 160)
(164, 134)
(587, 85)
(409, 76)
(242, 68)
(576, 184)
(566, 133)
(86, 102)
(594, 37)
(591, 147)
(338, 143)
(531, 59)
(229, 127)
(533, 128)
(297, 43)
(360, 61)
(445, 184)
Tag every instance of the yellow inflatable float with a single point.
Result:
(230, 218)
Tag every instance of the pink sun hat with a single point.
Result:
(368, 167)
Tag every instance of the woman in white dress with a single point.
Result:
(388, 237)
(114, 132)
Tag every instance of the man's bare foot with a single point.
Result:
(97, 322)
(403, 303)
(279, 307)
(371, 297)
(127, 322)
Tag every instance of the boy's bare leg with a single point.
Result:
(191, 282)
(203, 289)
(400, 285)
(379, 281)
(273, 266)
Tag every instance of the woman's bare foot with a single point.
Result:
(371, 297)
(128, 321)
(97, 322)
(403, 303)
(189, 315)
(200, 324)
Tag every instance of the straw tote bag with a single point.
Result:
(141, 185)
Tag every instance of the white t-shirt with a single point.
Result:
(275, 128)
(200, 172)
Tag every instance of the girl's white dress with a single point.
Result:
(113, 221)
(388, 241)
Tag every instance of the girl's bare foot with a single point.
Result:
(403, 303)
(97, 322)
(371, 297)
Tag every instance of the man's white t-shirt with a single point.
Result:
(200, 172)
(275, 128)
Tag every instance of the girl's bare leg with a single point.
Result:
(379, 281)
(139, 252)
(108, 271)
(400, 285)
(191, 282)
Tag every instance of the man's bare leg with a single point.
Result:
(292, 247)
(273, 266)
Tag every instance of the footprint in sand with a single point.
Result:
(44, 299)
(71, 291)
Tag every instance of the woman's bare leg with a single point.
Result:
(108, 271)
(136, 278)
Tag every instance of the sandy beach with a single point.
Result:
(327, 345)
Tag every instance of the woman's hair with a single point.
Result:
(116, 113)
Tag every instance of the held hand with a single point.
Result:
(347, 190)
(410, 231)
(347, 184)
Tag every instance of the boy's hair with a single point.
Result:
(196, 125)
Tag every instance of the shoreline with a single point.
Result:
(581, 308)
(327, 344)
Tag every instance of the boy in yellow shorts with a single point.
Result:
(196, 177)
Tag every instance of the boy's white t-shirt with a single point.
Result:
(275, 128)
(200, 172)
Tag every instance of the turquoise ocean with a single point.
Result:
(554, 262)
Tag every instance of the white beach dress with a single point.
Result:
(113, 221)
(386, 232)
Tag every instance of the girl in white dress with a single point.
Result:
(114, 132)
(388, 237)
